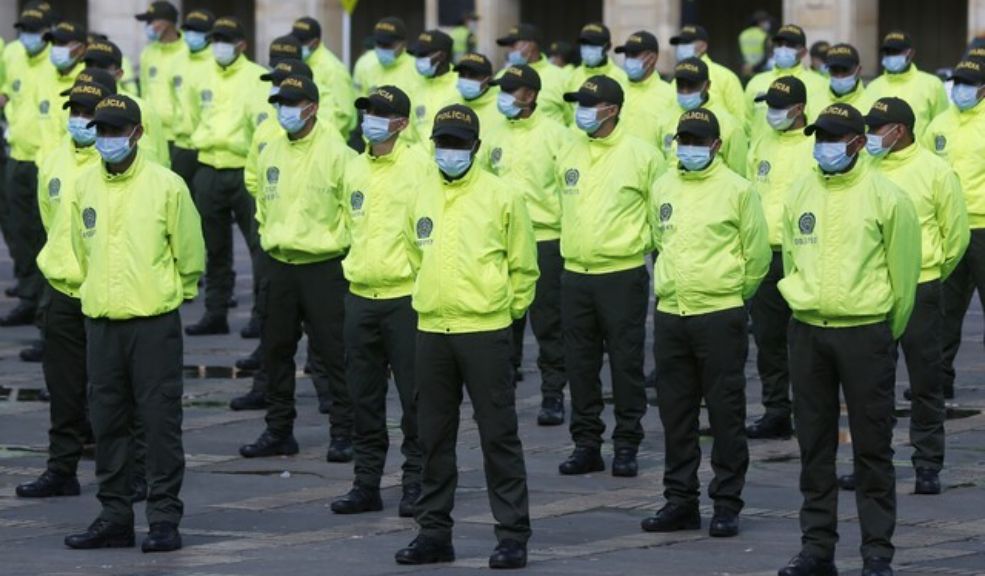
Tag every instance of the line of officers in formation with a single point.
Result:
(847, 220)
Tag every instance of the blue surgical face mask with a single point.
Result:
(779, 119)
(690, 101)
(114, 149)
(425, 67)
(386, 56)
(694, 158)
(376, 129)
(844, 84)
(80, 134)
(61, 57)
(964, 96)
(469, 89)
(516, 58)
(33, 42)
(452, 161)
(196, 41)
(876, 146)
(305, 52)
(592, 56)
(588, 119)
(635, 68)
(506, 103)
(151, 33)
(784, 57)
(292, 118)
(684, 51)
(224, 52)
(894, 64)
(832, 156)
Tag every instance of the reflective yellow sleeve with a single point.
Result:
(185, 237)
(901, 237)
(521, 256)
(952, 217)
(754, 238)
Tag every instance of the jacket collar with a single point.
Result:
(133, 170)
(391, 158)
(696, 176)
(900, 157)
(844, 179)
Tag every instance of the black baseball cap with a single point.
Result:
(31, 20)
(389, 30)
(103, 53)
(228, 28)
(457, 121)
(51, 15)
(838, 119)
(969, 71)
(692, 70)
(791, 33)
(66, 32)
(637, 42)
(597, 89)
(976, 54)
(295, 88)
(520, 32)
(287, 67)
(386, 99)
(890, 110)
(784, 92)
(595, 34)
(431, 41)
(474, 62)
(842, 55)
(820, 48)
(87, 94)
(93, 75)
(198, 21)
(689, 34)
(897, 40)
(116, 111)
(518, 77)
(700, 122)
(563, 49)
(285, 47)
(306, 29)
(159, 10)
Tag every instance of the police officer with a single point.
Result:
(710, 234)
(850, 240)
(647, 95)
(818, 50)
(68, 45)
(692, 42)
(331, 76)
(606, 175)
(381, 324)
(432, 53)
(901, 78)
(300, 178)
(955, 135)
(475, 75)
(563, 55)
(525, 152)
(134, 349)
(776, 161)
(232, 104)
(187, 84)
(160, 61)
(524, 42)
(393, 65)
(476, 268)
(845, 83)
(594, 42)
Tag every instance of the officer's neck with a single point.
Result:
(442, 69)
(607, 128)
(304, 131)
(798, 124)
(527, 111)
(904, 142)
(385, 147)
(123, 165)
(168, 36)
(535, 58)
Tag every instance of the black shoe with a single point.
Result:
(250, 363)
(163, 537)
(209, 325)
(517, 375)
(724, 523)
(339, 450)
(949, 392)
(847, 482)
(408, 502)
(908, 395)
(10, 291)
(324, 405)
(49, 484)
(21, 315)
(673, 517)
(509, 555)
(270, 445)
(551, 412)
(102, 534)
(138, 490)
(624, 463)
(34, 354)
(357, 501)
(424, 550)
(927, 482)
(233, 302)
(252, 329)
(582, 461)
(44, 395)
(770, 427)
(804, 564)
(877, 567)
(252, 400)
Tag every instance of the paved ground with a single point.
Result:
(271, 515)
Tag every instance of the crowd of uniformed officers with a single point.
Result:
(846, 220)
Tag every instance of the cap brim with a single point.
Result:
(789, 38)
(453, 131)
(271, 76)
(829, 127)
(841, 62)
(619, 49)
(507, 40)
(582, 98)
(874, 121)
(91, 105)
(145, 17)
(362, 103)
(960, 75)
(387, 38)
(225, 35)
(675, 40)
(114, 122)
(699, 131)
(29, 26)
(195, 28)
(472, 68)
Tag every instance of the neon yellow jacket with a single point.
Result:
(553, 83)
(959, 138)
(735, 145)
(776, 161)
(710, 235)
(607, 68)
(159, 63)
(12, 55)
(752, 44)
(25, 80)
(858, 98)
(726, 89)
(402, 74)
(232, 104)
(56, 186)
(604, 197)
(922, 91)
(850, 250)
(154, 143)
(644, 107)
(936, 194)
(299, 197)
(265, 132)
(193, 76)
(128, 84)
(815, 86)
(3, 67)
(51, 119)
(379, 261)
(137, 240)
(361, 70)
(334, 89)
(474, 255)
(434, 94)
(525, 153)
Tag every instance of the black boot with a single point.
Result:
(673, 517)
(209, 325)
(20, 315)
(339, 450)
(33, 354)
(847, 482)
(624, 463)
(324, 405)
(770, 427)
(724, 523)
(49, 484)
(509, 555)
(252, 400)
(927, 482)
(252, 329)
(357, 501)
(582, 461)
(551, 411)
(424, 550)
(102, 534)
(163, 537)
(876, 566)
(408, 502)
(250, 363)
(804, 564)
(269, 444)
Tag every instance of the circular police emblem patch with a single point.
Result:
(420, 111)
(666, 211)
(764, 168)
(571, 177)
(807, 222)
(206, 95)
(152, 71)
(89, 218)
(44, 106)
(424, 228)
(177, 80)
(16, 85)
(261, 117)
(940, 142)
(273, 175)
(356, 200)
(497, 155)
(54, 187)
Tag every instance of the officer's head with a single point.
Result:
(196, 28)
(31, 26)
(474, 75)
(642, 52)
(969, 84)
(455, 134)
(118, 128)
(843, 66)
(789, 46)
(284, 47)
(890, 122)
(386, 113)
(818, 51)
(897, 52)
(523, 41)
(839, 135)
(105, 55)
(519, 87)
(160, 19)
(698, 139)
(390, 38)
(786, 101)
(228, 40)
(284, 68)
(692, 42)
(562, 54)
(598, 103)
(432, 51)
(308, 32)
(296, 100)
(68, 41)
(81, 104)
(594, 41)
(693, 83)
